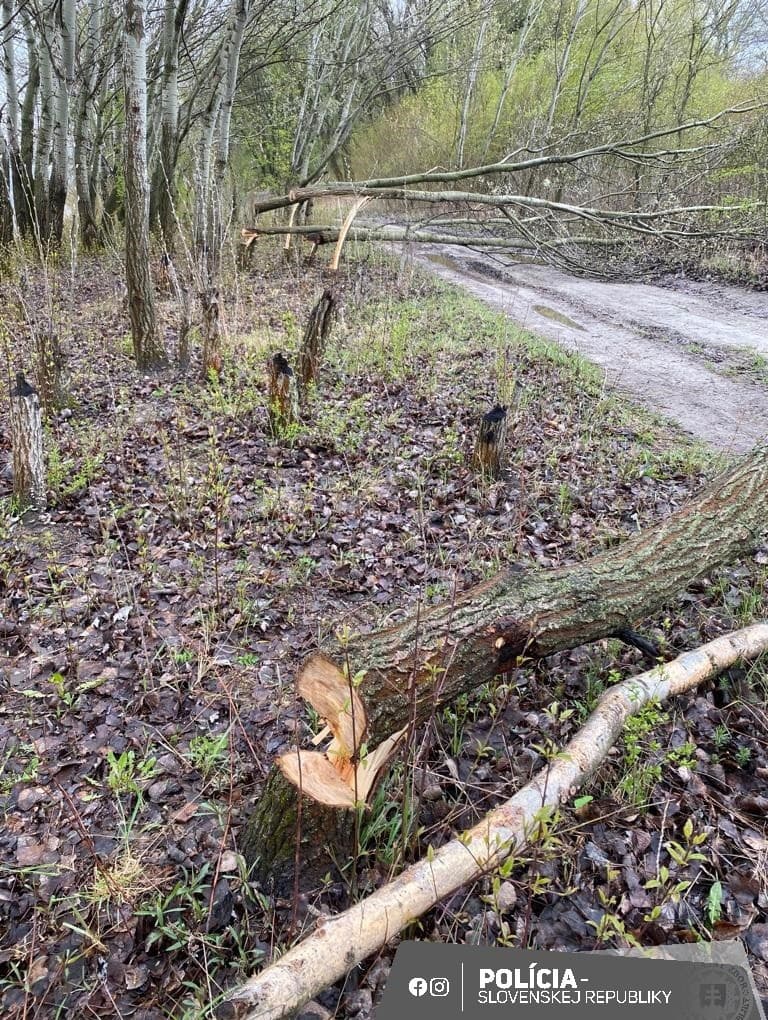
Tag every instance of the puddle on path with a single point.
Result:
(551, 313)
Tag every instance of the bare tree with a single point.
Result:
(141, 306)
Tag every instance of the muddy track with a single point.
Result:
(694, 352)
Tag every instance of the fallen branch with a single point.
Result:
(338, 944)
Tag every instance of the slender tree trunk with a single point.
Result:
(64, 50)
(450, 649)
(239, 18)
(45, 132)
(141, 306)
(90, 232)
(162, 210)
(25, 201)
(469, 89)
(14, 176)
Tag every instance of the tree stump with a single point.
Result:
(50, 361)
(27, 439)
(489, 451)
(185, 315)
(212, 362)
(315, 338)
(282, 394)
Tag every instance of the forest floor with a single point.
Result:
(152, 622)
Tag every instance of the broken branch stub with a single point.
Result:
(315, 339)
(212, 360)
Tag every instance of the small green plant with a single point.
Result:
(208, 752)
(126, 774)
(743, 756)
(714, 903)
(642, 763)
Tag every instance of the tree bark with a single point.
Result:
(164, 192)
(452, 648)
(490, 449)
(147, 348)
(63, 46)
(315, 339)
(212, 360)
(340, 942)
(27, 439)
(282, 394)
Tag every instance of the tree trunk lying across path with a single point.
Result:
(343, 941)
(449, 649)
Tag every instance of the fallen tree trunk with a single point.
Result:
(439, 653)
(339, 943)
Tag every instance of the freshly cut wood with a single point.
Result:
(27, 440)
(491, 443)
(340, 942)
(449, 649)
(315, 339)
(282, 393)
(345, 773)
(348, 221)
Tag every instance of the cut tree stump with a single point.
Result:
(340, 942)
(27, 439)
(282, 394)
(449, 649)
(50, 363)
(212, 360)
(490, 449)
(315, 339)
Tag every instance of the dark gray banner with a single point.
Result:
(446, 981)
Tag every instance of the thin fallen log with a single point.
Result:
(341, 942)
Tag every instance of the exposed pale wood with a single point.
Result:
(348, 221)
(340, 942)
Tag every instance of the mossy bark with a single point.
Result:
(452, 648)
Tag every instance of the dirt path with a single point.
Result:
(693, 352)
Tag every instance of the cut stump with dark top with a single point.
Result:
(27, 439)
(282, 393)
(491, 442)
